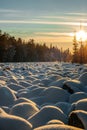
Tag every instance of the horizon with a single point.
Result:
(48, 21)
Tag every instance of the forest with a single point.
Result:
(18, 50)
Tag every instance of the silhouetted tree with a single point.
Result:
(17, 50)
(75, 50)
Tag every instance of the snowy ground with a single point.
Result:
(43, 96)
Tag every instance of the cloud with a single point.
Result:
(53, 34)
(10, 14)
(9, 11)
(43, 22)
(77, 14)
(67, 17)
(51, 17)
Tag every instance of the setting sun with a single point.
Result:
(81, 35)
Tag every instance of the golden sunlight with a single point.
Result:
(81, 35)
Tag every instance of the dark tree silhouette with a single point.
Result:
(17, 50)
(75, 50)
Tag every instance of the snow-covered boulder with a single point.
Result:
(72, 86)
(55, 122)
(7, 97)
(83, 78)
(46, 114)
(24, 110)
(31, 93)
(58, 83)
(21, 100)
(9, 122)
(64, 106)
(79, 119)
(15, 87)
(81, 105)
(25, 84)
(55, 94)
(57, 127)
(77, 96)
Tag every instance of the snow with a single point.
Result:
(81, 104)
(57, 127)
(77, 96)
(7, 97)
(24, 110)
(46, 114)
(10, 122)
(83, 78)
(43, 96)
(55, 122)
(78, 118)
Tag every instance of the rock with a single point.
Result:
(46, 114)
(81, 105)
(24, 110)
(9, 122)
(83, 78)
(57, 127)
(77, 96)
(7, 97)
(78, 119)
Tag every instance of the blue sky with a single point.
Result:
(49, 21)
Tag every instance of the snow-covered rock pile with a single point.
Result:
(43, 96)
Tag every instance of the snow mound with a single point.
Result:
(12, 80)
(64, 106)
(51, 95)
(72, 86)
(9, 122)
(25, 84)
(55, 94)
(26, 93)
(77, 96)
(15, 87)
(55, 122)
(21, 100)
(24, 110)
(58, 83)
(46, 114)
(79, 119)
(81, 105)
(57, 127)
(7, 97)
(83, 78)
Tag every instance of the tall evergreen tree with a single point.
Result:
(81, 52)
(75, 50)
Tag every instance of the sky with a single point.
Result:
(49, 21)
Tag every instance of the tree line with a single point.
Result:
(17, 50)
(79, 51)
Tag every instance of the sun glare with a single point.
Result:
(81, 35)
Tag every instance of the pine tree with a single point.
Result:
(81, 52)
(75, 50)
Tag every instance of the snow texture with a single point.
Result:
(43, 96)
